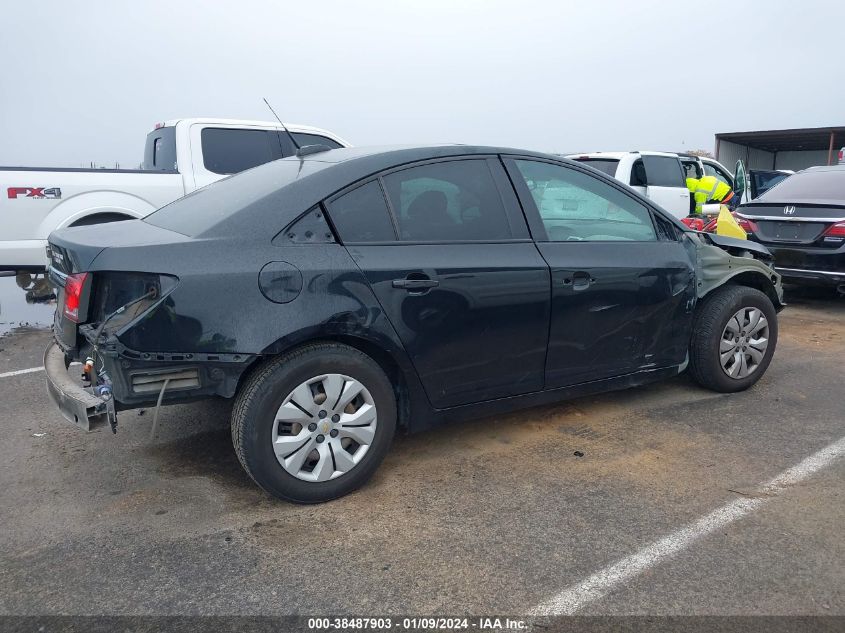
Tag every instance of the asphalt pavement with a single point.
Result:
(499, 515)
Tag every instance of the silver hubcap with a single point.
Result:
(744, 342)
(324, 427)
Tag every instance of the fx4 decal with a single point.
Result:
(52, 193)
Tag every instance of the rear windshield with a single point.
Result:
(607, 165)
(201, 210)
(160, 150)
(809, 185)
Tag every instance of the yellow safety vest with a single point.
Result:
(707, 188)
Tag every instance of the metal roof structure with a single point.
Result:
(800, 139)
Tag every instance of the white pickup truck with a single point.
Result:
(180, 156)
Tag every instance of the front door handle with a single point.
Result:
(415, 285)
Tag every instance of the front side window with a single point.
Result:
(575, 206)
(448, 201)
(710, 170)
(663, 171)
(229, 151)
(361, 215)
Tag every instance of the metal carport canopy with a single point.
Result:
(801, 139)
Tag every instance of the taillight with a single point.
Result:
(696, 224)
(836, 230)
(73, 292)
(746, 225)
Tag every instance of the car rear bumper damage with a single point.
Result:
(75, 403)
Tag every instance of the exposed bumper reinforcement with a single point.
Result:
(75, 403)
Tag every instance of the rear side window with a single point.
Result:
(663, 171)
(315, 139)
(361, 215)
(576, 207)
(605, 165)
(448, 201)
(160, 150)
(229, 151)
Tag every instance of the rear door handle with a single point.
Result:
(415, 285)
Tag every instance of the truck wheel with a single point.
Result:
(735, 331)
(314, 424)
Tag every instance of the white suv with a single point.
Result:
(659, 176)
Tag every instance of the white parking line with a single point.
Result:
(602, 582)
(9, 374)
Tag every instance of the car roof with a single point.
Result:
(620, 155)
(370, 159)
(605, 155)
(279, 191)
(825, 168)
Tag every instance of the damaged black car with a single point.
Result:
(341, 295)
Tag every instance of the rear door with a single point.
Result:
(622, 281)
(661, 179)
(447, 253)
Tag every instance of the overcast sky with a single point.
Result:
(86, 81)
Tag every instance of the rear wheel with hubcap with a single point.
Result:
(314, 424)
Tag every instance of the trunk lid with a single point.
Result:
(73, 252)
(78, 247)
(796, 223)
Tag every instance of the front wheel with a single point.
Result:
(734, 335)
(314, 424)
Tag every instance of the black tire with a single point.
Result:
(258, 400)
(711, 318)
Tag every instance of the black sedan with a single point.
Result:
(802, 222)
(342, 294)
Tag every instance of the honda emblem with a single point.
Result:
(789, 210)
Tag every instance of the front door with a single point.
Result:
(622, 282)
(454, 269)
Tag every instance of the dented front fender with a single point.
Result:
(720, 260)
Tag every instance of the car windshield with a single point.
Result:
(199, 211)
(607, 165)
(823, 184)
